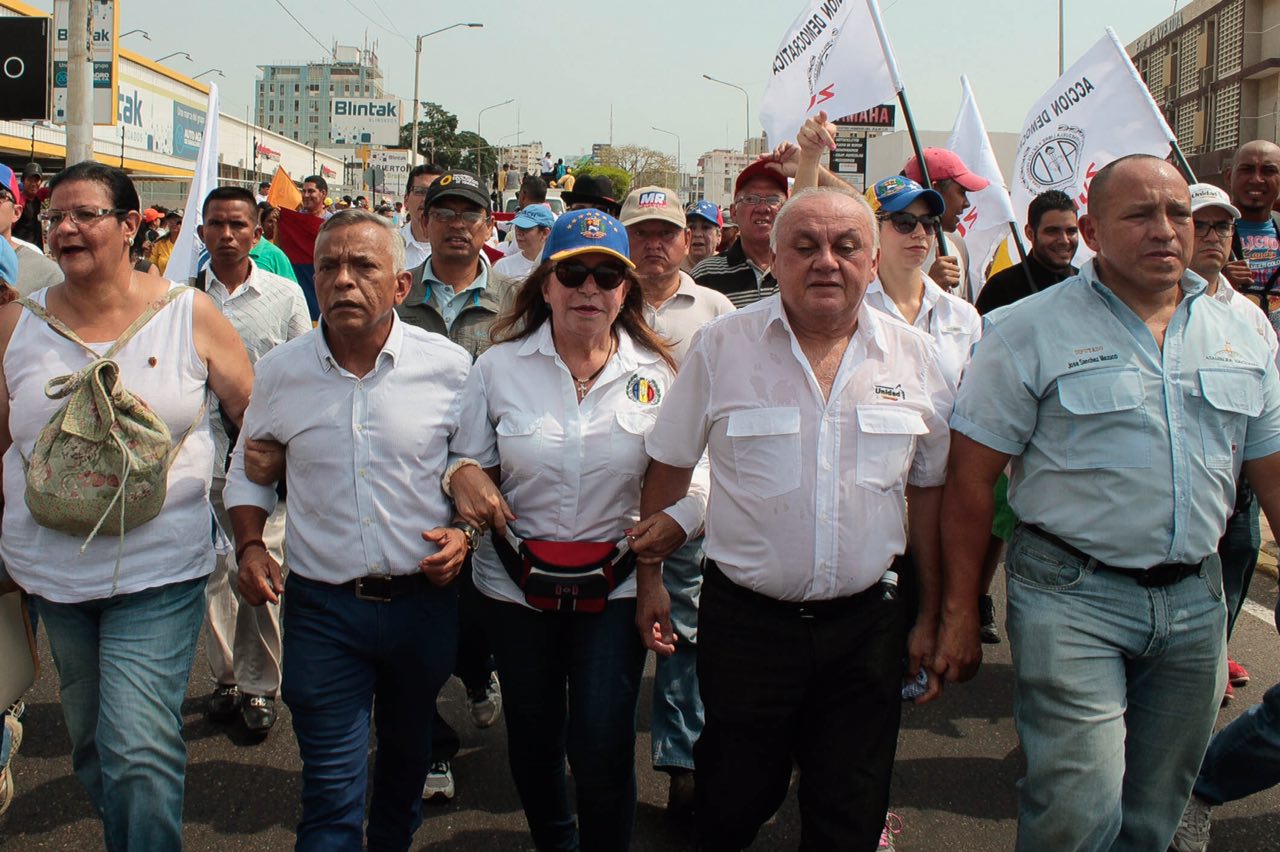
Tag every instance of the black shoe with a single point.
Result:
(258, 713)
(988, 631)
(680, 795)
(224, 703)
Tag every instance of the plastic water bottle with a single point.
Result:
(889, 586)
(914, 689)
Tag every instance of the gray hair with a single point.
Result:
(359, 216)
(809, 192)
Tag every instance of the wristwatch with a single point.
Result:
(472, 534)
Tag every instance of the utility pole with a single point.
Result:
(79, 82)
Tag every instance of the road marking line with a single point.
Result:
(1259, 611)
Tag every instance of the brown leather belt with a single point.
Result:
(1157, 576)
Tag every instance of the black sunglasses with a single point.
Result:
(573, 274)
(905, 223)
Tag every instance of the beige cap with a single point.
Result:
(652, 202)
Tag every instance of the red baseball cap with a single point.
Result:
(761, 169)
(945, 165)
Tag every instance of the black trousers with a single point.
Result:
(821, 689)
(474, 663)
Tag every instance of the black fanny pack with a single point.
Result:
(565, 576)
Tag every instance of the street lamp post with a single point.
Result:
(744, 94)
(679, 189)
(217, 71)
(146, 35)
(417, 63)
(478, 136)
(175, 53)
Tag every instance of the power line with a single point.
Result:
(327, 50)
(378, 6)
(365, 15)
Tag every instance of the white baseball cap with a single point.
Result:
(1207, 195)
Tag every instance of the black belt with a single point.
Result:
(378, 587)
(796, 609)
(1164, 574)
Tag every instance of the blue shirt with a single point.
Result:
(1125, 451)
(448, 302)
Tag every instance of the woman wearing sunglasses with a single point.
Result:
(908, 215)
(556, 412)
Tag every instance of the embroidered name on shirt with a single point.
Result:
(1096, 359)
(643, 390)
(1227, 354)
(895, 393)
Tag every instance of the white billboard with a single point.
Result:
(106, 20)
(365, 121)
(395, 168)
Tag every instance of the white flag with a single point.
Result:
(1098, 111)
(986, 222)
(182, 263)
(834, 57)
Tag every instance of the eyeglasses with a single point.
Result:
(753, 200)
(905, 223)
(81, 216)
(573, 274)
(1222, 229)
(445, 215)
(419, 191)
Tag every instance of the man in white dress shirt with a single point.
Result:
(365, 407)
(266, 310)
(819, 415)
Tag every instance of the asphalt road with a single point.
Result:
(958, 760)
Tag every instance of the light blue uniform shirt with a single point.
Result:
(1129, 453)
(451, 303)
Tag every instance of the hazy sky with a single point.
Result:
(567, 64)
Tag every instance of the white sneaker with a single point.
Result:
(892, 828)
(1193, 828)
(439, 782)
(486, 704)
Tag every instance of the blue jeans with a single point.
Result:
(1244, 757)
(1116, 691)
(123, 664)
(677, 704)
(340, 653)
(1238, 550)
(570, 685)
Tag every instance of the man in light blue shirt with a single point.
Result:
(1128, 404)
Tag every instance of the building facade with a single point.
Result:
(295, 100)
(1214, 70)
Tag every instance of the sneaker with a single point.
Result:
(15, 733)
(1229, 695)
(439, 784)
(6, 789)
(988, 631)
(1237, 674)
(892, 828)
(486, 703)
(224, 703)
(18, 709)
(1193, 828)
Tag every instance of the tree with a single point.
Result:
(439, 141)
(620, 180)
(645, 165)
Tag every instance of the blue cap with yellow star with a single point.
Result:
(581, 231)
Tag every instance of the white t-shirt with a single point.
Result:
(515, 266)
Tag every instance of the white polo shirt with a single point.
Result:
(953, 323)
(690, 308)
(415, 252)
(807, 495)
(569, 471)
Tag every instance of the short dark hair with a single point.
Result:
(229, 193)
(124, 195)
(264, 210)
(321, 183)
(1053, 199)
(534, 189)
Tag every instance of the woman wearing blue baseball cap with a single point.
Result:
(556, 412)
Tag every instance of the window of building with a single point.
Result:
(295, 88)
(1226, 118)
(1230, 38)
(728, 184)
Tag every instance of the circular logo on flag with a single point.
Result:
(643, 390)
(1055, 161)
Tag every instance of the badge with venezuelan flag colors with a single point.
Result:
(643, 390)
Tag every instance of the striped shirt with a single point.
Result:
(733, 274)
(266, 310)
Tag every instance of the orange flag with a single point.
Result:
(283, 193)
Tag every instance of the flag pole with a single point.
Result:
(924, 168)
(1181, 161)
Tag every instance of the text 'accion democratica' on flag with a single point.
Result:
(806, 35)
